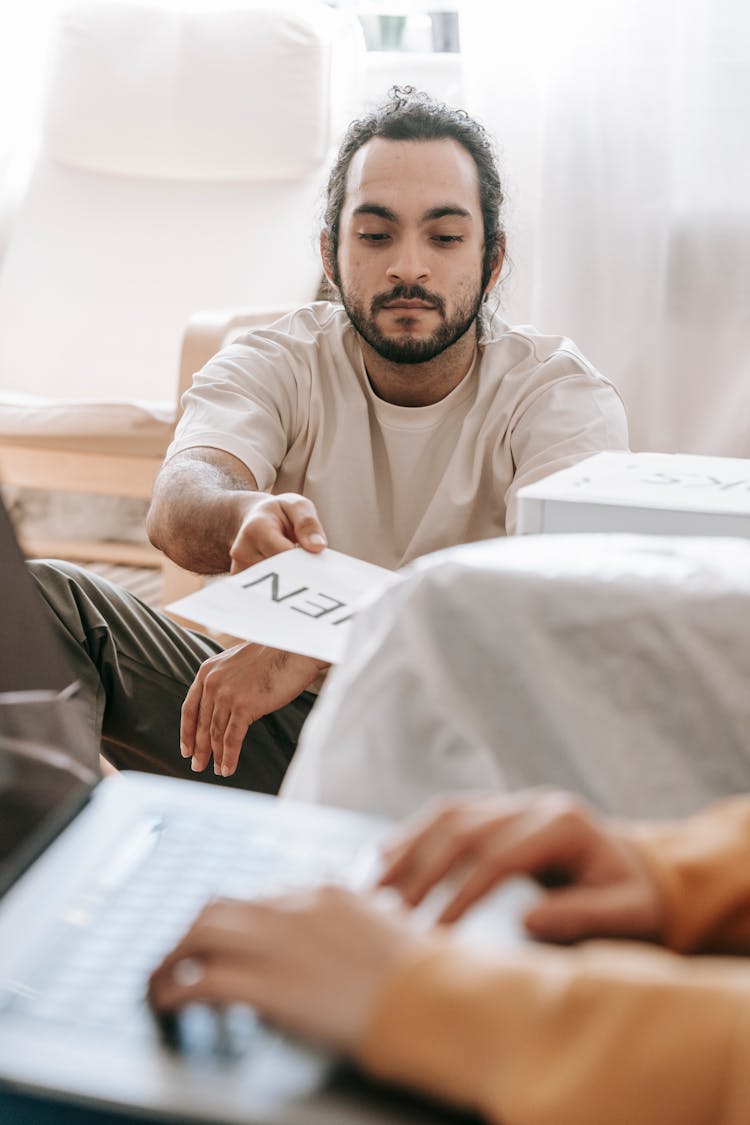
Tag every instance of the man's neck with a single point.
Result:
(420, 384)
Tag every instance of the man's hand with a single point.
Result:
(208, 516)
(312, 961)
(599, 885)
(274, 524)
(230, 692)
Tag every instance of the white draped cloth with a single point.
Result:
(614, 666)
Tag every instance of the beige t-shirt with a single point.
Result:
(391, 483)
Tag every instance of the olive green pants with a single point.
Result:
(134, 667)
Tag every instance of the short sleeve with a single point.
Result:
(568, 419)
(247, 401)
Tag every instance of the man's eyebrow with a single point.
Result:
(445, 210)
(375, 209)
(448, 209)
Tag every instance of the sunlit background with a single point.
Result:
(623, 132)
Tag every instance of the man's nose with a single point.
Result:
(408, 263)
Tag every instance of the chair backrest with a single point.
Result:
(181, 168)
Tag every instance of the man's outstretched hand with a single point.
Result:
(273, 524)
(231, 691)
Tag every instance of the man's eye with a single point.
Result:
(447, 239)
(370, 236)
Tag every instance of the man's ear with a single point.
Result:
(326, 256)
(496, 269)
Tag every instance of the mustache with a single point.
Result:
(408, 293)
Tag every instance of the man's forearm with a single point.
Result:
(200, 499)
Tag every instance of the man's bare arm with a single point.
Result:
(200, 500)
(208, 516)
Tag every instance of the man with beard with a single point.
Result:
(387, 426)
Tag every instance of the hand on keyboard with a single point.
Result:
(598, 885)
(312, 961)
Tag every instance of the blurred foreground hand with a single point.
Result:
(598, 884)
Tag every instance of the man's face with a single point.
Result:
(410, 253)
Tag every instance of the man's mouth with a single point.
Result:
(405, 304)
(407, 300)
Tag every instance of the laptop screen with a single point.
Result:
(47, 753)
(30, 658)
(33, 664)
(41, 790)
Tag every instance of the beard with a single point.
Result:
(404, 348)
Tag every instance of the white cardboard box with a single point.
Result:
(644, 493)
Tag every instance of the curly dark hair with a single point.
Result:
(410, 115)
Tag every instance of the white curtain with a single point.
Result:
(624, 130)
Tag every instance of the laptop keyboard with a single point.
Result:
(94, 973)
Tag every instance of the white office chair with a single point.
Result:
(181, 163)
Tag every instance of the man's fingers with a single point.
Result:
(184, 982)
(573, 913)
(227, 730)
(219, 720)
(219, 925)
(201, 964)
(232, 690)
(429, 867)
(565, 916)
(222, 980)
(487, 858)
(234, 736)
(397, 858)
(189, 718)
(481, 880)
(306, 528)
(491, 845)
(202, 741)
(309, 534)
(260, 539)
(276, 524)
(406, 850)
(229, 931)
(435, 844)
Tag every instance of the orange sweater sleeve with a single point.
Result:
(610, 1032)
(703, 867)
(604, 1034)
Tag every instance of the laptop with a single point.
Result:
(99, 878)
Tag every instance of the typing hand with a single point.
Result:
(598, 884)
(312, 961)
(231, 691)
